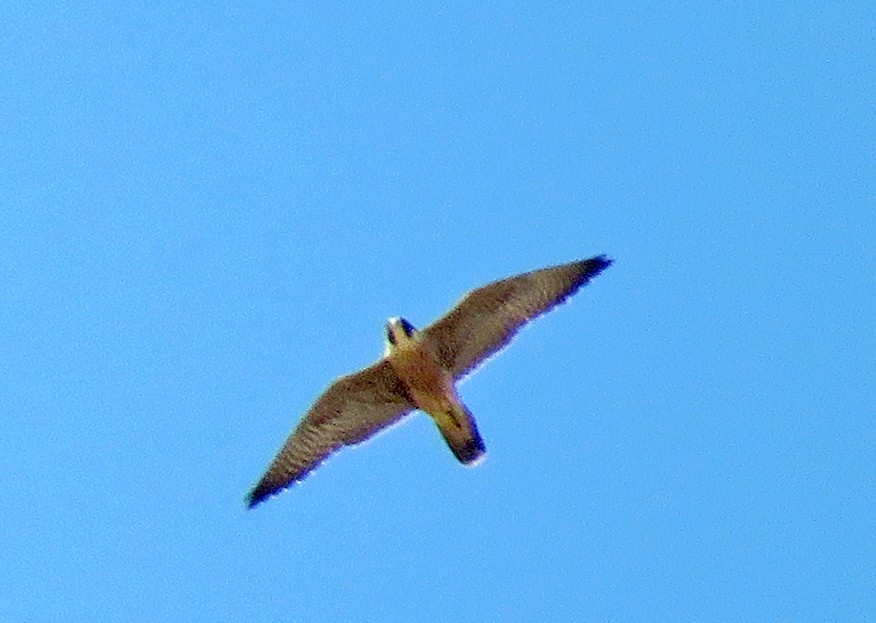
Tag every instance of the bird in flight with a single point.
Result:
(419, 370)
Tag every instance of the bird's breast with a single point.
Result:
(429, 384)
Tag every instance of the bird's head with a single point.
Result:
(399, 333)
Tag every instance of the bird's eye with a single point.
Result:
(390, 336)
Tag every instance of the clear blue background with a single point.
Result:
(207, 213)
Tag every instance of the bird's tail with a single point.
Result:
(460, 431)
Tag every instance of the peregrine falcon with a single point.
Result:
(419, 370)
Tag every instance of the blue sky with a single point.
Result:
(207, 214)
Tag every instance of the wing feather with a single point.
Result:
(486, 319)
(351, 410)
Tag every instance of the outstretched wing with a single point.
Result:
(351, 410)
(487, 318)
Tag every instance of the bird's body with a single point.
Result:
(419, 371)
(431, 388)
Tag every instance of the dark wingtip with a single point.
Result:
(598, 264)
(259, 494)
(590, 268)
(252, 500)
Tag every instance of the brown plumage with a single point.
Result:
(419, 372)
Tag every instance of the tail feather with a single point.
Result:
(460, 431)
